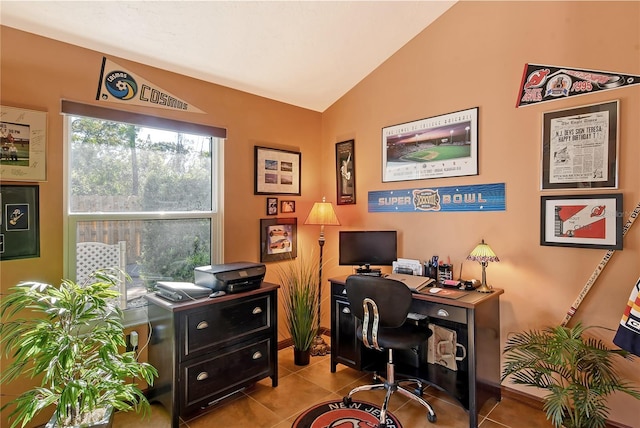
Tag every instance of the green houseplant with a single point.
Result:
(299, 281)
(72, 341)
(577, 371)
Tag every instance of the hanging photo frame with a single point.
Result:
(23, 143)
(346, 172)
(20, 222)
(278, 239)
(277, 172)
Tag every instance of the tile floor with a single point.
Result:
(262, 406)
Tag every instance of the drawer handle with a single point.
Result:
(443, 313)
(202, 325)
(257, 355)
(257, 310)
(202, 376)
(346, 310)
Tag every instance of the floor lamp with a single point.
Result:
(321, 214)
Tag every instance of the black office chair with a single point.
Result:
(382, 306)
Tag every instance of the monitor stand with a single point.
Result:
(366, 270)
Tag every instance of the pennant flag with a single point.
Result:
(118, 85)
(541, 83)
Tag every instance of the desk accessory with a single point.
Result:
(483, 254)
(322, 213)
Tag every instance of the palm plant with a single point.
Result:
(299, 281)
(578, 372)
(73, 340)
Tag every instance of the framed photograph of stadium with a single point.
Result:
(23, 147)
(580, 147)
(589, 221)
(277, 172)
(346, 172)
(278, 239)
(435, 147)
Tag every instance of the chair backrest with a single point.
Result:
(91, 256)
(392, 298)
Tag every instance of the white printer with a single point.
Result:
(231, 277)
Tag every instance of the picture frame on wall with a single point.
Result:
(272, 206)
(278, 239)
(19, 222)
(23, 144)
(277, 172)
(589, 221)
(287, 207)
(580, 147)
(346, 172)
(435, 147)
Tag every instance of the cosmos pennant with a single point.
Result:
(541, 83)
(118, 85)
(479, 197)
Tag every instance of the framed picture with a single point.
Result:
(287, 206)
(277, 172)
(272, 206)
(436, 147)
(19, 222)
(23, 135)
(278, 239)
(589, 221)
(580, 147)
(346, 172)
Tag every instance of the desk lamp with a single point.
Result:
(321, 214)
(483, 254)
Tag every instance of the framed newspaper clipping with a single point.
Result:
(580, 147)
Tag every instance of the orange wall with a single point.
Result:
(474, 56)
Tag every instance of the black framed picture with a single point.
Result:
(277, 172)
(287, 207)
(589, 221)
(346, 172)
(278, 239)
(580, 147)
(20, 222)
(272, 206)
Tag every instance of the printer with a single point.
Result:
(231, 277)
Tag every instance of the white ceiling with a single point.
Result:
(305, 53)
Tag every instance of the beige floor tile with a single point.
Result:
(321, 375)
(240, 413)
(449, 415)
(512, 413)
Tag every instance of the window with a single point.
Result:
(147, 186)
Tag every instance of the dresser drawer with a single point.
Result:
(213, 325)
(208, 379)
(440, 311)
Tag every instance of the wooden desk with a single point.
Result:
(207, 349)
(476, 319)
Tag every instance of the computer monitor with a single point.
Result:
(366, 248)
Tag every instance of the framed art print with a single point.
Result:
(277, 172)
(580, 147)
(272, 206)
(278, 239)
(23, 135)
(435, 147)
(19, 222)
(287, 207)
(346, 173)
(589, 221)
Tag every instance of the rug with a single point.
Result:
(334, 414)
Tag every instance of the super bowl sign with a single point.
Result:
(481, 197)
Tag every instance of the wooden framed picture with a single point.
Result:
(23, 135)
(346, 172)
(272, 206)
(589, 221)
(278, 239)
(580, 147)
(277, 172)
(435, 147)
(19, 222)
(287, 206)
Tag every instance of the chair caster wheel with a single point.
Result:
(431, 418)
(347, 401)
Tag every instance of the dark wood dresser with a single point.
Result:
(207, 349)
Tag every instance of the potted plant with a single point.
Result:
(577, 372)
(73, 339)
(299, 281)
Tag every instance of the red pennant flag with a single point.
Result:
(542, 83)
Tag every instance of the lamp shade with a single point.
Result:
(483, 253)
(322, 214)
